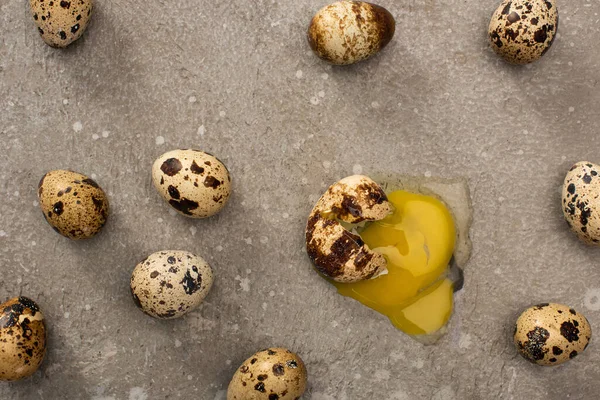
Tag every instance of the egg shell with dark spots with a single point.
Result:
(196, 184)
(73, 204)
(522, 31)
(22, 338)
(271, 374)
(61, 22)
(347, 32)
(170, 283)
(550, 334)
(581, 201)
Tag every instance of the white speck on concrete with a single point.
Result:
(357, 376)
(16, 193)
(160, 140)
(67, 315)
(94, 176)
(335, 324)
(105, 134)
(571, 109)
(325, 76)
(95, 137)
(201, 130)
(189, 377)
(326, 164)
(285, 215)
(65, 101)
(159, 220)
(264, 239)
(272, 293)
(248, 240)
(35, 203)
(222, 114)
(137, 393)
(357, 169)
(221, 394)
(244, 283)
(465, 341)
(264, 306)
(88, 307)
(520, 152)
(219, 248)
(193, 230)
(381, 375)
(375, 104)
(418, 364)
(192, 99)
(33, 243)
(427, 174)
(299, 74)
(78, 126)
(592, 299)
(178, 343)
(321, 94)
(227, 362)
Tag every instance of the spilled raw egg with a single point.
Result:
(411, 245)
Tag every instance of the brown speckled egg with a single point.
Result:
(336, 252)
(194, 183)
(170, 283)
(550, 334)
(73, 204)
(522, 31)
(22, 338)
(60, 23)
(272, 374)
(581, 201)
(347, 32)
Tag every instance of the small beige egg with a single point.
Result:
(335, 251)
(581, 201)
(347, 32)
(60, 23)
(170, 283)
(73, 204)
(22, 338)
(550, 334)
(522, 31)
(194, 183)
(272, 374)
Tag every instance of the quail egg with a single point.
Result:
(193, 182)
(23, 343)
(522, 31)
(170, 283)
(347, 32)
(272, 374)
(73, 204)
(581, 201)
(550, 334)
(61, 22)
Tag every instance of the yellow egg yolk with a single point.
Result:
(417, 240)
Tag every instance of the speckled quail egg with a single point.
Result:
(193, 182)
(73, 204)
(22, 338)
(522, 31)
(550, 334)
(272, 374)
(170, 283)
(335, 251)
(60, 23)
(347, 32)
(581, 201)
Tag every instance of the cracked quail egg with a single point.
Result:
(271, 374)
(522, 31)
(61, 22)
(22, 338)
(550, 334)
(170, 283)
(73, 204)
(347, 32)
(196, 184)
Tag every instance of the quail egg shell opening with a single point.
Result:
(271, 374)
(196, 184)
(347, 32)
(581, 201)
(61, 22)
(170, 283)
(23, 333)
(522, 31)
(550, 334)
(425, 230)
(73, 204)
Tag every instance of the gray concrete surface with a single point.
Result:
(237, 78)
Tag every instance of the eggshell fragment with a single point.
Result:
(196, 184)
(522, 31)
(272, 374)
(73, 204)
(170, 283)
(550, 334)
(61, 22)
(581, 201)
(347, 32)
(336, 252)
(22, 338)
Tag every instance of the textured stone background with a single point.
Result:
(237, 78)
